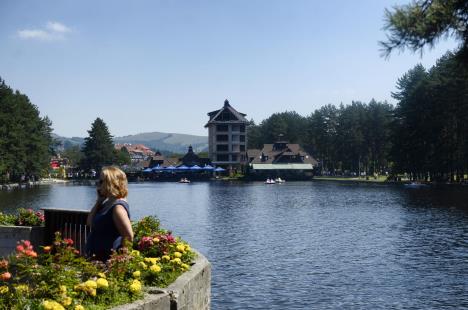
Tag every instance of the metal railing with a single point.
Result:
(70, 223)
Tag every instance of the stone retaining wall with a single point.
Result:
(10, 235)
(191, 291)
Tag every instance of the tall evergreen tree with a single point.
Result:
(98, 147)
(25, 136)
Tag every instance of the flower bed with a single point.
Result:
(59, 278)
(25, 217)
(25, 225)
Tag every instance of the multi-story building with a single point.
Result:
(227, 137)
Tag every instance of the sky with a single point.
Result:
(151, 65)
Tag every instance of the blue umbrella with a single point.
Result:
(158, 168)
(148, 170)
(219, 169)
(170, 168)
(195, 167)
(208, 168)
(183, 167)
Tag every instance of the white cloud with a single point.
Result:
(57, 27)
(53, 31)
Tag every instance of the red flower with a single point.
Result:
(3, 264)
(5, 276)
(19, 248)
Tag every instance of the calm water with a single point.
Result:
(311, 245)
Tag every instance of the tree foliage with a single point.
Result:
(25, 136)
(98, 148)
(430, 125)
(423, 22)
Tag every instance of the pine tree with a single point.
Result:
(98, 147)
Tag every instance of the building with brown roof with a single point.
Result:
(281, 159)
(227, 137)
(138, 152)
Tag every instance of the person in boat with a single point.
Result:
(109, 219)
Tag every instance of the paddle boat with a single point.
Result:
(270, 181)
(279, 180)
(184, 180)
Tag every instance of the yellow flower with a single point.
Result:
(92, 292)
(135, 253)
(187, 248)
(102, 283)
(166, 257)
(21, 288)
(151, 260)
(102, 275)
(135, 286)
(63, 289)
(155, 268)
(176, 261)
(137, 274)
(90, 284)
(143, 265)
(185, 266)
(177, 254)
(79, 307)
(180, 247)
(4, 289)
(156, 240)
(66, 301)
(52, 305)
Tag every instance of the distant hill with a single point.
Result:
(164, 142)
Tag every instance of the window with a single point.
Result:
(221, 127)
(222, 148)
(242, 148)
(242, 138)
(235, 148)
(234, 157)
(222, 137)
(235, 128)
(242, 128)
(235, 138)
(222, 157)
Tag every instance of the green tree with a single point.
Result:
(411, 133)
(423, 22)
(98, 147)
(122, 157)
(321, 135)
(74, 155)
(25, 136)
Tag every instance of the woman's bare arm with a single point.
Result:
(122, 222)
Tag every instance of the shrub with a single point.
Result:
(25, 217)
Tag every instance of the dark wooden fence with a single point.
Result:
(70, 223)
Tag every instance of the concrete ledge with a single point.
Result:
(191, 291)
(10, 235)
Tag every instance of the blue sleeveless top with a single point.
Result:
(104, 235)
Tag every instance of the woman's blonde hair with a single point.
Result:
(113, 182)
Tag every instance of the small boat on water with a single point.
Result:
(415, 185)
(270, 181)
(184, 180)
(279, 180)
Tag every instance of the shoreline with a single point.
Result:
(24, 185)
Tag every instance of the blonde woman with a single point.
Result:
(109, 219)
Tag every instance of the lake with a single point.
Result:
(306, 245)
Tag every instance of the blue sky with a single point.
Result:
(162, 65)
